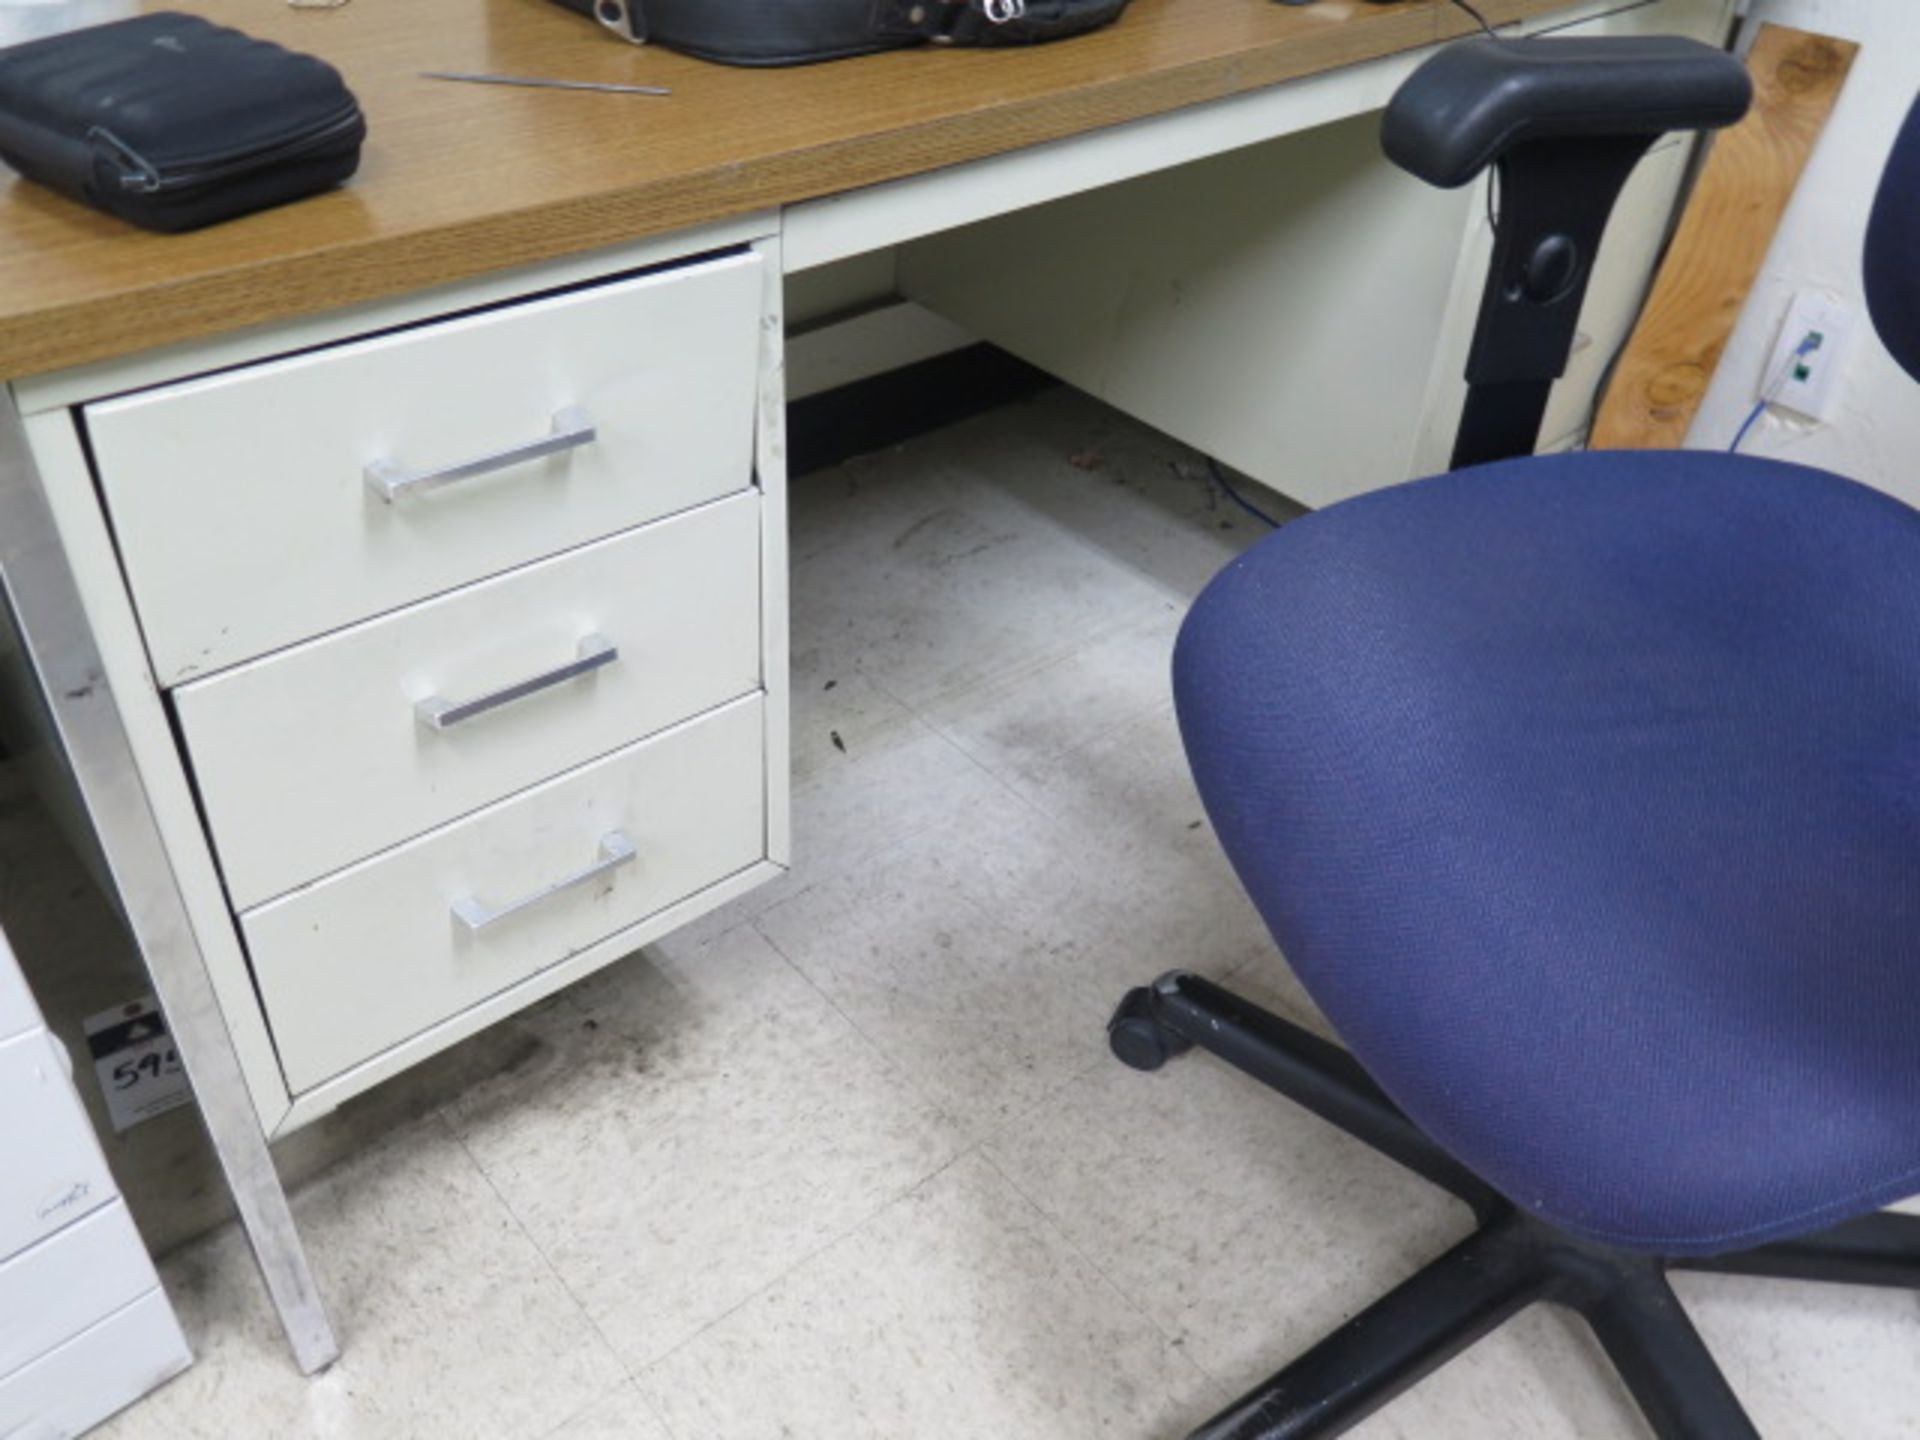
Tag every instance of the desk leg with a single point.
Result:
(59, 645)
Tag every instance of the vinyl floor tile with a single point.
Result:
(704, 1124)
(451, 1321)
(1141, 831)
(972, 956)
(621, 1414)
(933, 599)
(1821, 1361)
(1030, 719)
(1131, 493)
(956, 1314)
(1239, 1223)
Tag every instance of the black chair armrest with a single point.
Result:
(1474, 101)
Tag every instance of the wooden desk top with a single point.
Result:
(461, 179)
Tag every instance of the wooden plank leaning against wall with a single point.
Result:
(1723, 240)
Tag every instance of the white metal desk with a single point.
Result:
(973, 199)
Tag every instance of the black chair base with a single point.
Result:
(1510, 1262)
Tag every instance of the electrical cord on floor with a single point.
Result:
(1226, 486)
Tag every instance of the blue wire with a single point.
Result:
(1746, 429)
(1220, 479)
(1814, 339)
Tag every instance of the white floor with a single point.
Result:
(852, 1160)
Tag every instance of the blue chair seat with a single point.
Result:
(1583, 795)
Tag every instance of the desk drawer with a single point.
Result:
(245, 503)
(17, 1010)
(51, 1171)
(316, 757)
(366, 958)
(100, 1371)
(71, 1280)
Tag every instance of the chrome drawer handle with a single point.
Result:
(438, 714)
(474, 913)
(572, 428)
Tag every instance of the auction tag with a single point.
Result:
(135, 1060)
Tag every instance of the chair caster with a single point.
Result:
(1137, 1039)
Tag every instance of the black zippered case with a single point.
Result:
(798, 32)
(172, 122)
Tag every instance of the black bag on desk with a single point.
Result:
(172, 122)
(793, 32)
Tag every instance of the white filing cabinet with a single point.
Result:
(464, 624)
(85, 1329)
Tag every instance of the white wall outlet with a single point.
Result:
(1804, 370)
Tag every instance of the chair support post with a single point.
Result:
(1314, 1073)
(1665, 1363)
(1873, 1250)
(1410, 1332)
(1511, 1261)
(1556, 197)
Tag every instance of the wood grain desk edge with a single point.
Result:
(142, 317)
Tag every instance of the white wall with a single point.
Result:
(1875, 436)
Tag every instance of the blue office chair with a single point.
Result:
(1583, 795)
